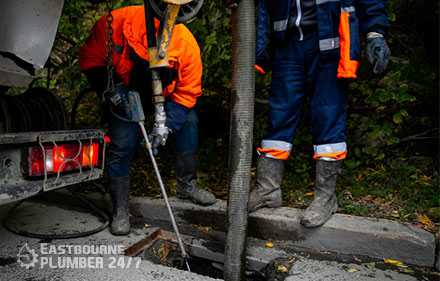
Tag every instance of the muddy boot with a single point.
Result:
(187, 187)
(120, 223)
(267, 191)
(325, 202)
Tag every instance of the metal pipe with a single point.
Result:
(241, 131)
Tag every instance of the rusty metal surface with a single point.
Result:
(158, 56)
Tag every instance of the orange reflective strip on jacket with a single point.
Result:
(259, 68)
(276, 153)
(334, 155)
(347, 67)
(129, 30)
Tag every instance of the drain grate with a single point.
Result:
(161, 247)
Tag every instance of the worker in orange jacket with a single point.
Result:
(182, 85)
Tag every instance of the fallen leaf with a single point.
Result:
(397, 263)
(425, 220)
(205, 228)
(282, 268)
(370, 265)
(351, 270)
(407, 270)
(308, 194)
(284, 244)
(269, 244)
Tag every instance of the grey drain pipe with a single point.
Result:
(241, 131)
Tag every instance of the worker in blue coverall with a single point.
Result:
(312, 47)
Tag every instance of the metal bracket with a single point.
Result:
(158, 56)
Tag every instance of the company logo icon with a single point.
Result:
(27, 257)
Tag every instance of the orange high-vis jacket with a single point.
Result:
(129, 30)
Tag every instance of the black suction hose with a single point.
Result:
(240, 152)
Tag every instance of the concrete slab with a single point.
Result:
(375, 238)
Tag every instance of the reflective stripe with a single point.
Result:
(325, 1)
(275, 144)
(330, 148)
(273, 153)
(259, 68)
(331, 156)
(329, 44)
(347, 9)
(280, 25)
(347, 67)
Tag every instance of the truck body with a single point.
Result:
(31, 159)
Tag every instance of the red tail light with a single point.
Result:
(61, 158)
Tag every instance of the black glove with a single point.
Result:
(378, 53)
(119, 102)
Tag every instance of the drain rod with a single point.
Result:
(137, 115)
(164, 193)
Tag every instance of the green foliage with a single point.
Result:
(212, 30)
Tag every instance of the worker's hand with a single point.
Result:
(118, 100)
(158, 136)
(378, 52)
(231, 3)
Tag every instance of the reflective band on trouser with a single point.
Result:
(275, 149)
(347, 68)
(274, 153)
(331, 151)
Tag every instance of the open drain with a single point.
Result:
(161, 247)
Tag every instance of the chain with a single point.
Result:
(109, 43)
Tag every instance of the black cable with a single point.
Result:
(86, 201)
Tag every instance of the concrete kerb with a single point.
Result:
(344, 234)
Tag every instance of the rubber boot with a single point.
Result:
(187, 187)
(325, 202)
(267, 191)
(120, 223)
